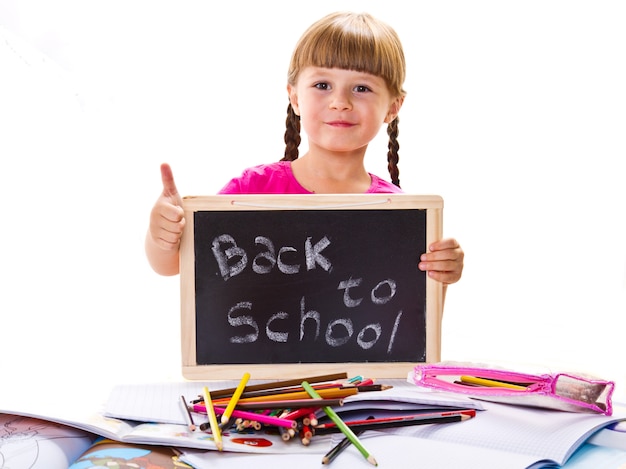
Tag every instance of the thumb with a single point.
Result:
(167, 178)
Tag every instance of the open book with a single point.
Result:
(173, 434)
(500, 436)
(27, 442)
(151, 414)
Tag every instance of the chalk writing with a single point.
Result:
(313, 286)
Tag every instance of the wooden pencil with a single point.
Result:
(282, 390)
(218, 393)
(215, 429)
(390, 423)
(330, 393)
(337, 449)
(187, 414)
(235, 398)
(290, 404)
(342, 426)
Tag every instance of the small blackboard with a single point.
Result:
(285, 285)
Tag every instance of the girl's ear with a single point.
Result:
(293, 99)
(394, 109)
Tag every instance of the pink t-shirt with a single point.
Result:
(277, 178)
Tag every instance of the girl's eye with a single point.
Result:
(361, 89)
(321, 86)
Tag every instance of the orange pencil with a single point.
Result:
(323, 393)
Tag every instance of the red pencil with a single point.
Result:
(390, 422)
(299, 413)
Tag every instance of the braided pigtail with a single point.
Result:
(392, 154)
(292, 135)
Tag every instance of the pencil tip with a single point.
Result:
(372, 460)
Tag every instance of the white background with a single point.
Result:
(515, 115)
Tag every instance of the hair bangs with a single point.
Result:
(352, 43)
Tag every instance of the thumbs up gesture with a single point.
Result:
(167, 223)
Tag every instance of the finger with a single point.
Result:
(455, 255)
(443, 244)
(165, 211)
(167, 178)
(173, 218)
(441, 266)
(166, 227)
(446, 278)
(170, 238)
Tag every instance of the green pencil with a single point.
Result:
(341, 425)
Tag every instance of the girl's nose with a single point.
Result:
(340, 101)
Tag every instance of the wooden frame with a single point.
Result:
(434, 299)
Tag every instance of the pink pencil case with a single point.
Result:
(560, 391)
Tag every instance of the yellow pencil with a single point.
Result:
(215, 428)
(491, 383)
(235, 398)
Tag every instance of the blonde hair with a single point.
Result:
(350, 41)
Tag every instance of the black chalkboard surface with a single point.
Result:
(283, 285)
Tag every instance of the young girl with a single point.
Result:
(345, 80)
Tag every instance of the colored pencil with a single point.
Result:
(299, 413)
(342, 426)
(491, 383)
(378, 424)
(187, 414)
(284, 433)
(371, 387)
(337, 449)
(330, 393)
(261, 418)
(218, 393)
(235, 398)
(282, 390)
(419, 416)
(215, 429)
(290, 404)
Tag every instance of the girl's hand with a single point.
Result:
(167, 216)
(444, 261)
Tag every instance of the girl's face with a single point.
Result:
(342, 110)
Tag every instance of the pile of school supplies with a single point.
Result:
(293, 409)
(156, 414)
